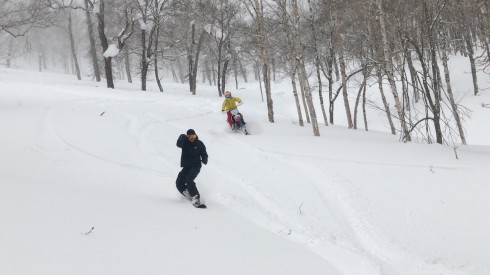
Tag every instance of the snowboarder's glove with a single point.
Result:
(205, 161)
(223, 111)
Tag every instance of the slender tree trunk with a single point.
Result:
(273, 64)
(93, 52)
(317, 64)
(208, 71)
(144, 60)
(344, 83)
(174, 74)
(108, 72)
(340, 39)
(225, 70)
(385, 102)
(180, 68)
(72, 44)
(302, 71)
(260, 85)
(389, 70)
(413, 76)
(65, 64)
(364, 108)
(471, 56)
(359, 93)
(242, 68)
(105, 45)
(155, 59)
(220, 61)
(127, 65)
(378, 69)
(193, 58)
(258, 14)
(329, 75)
(157, 76)
(449, 89)
(235, 69)
(213, 72)
(296, 59)
(436, 109)
(40, 62)
(10, 52)
(292, 64)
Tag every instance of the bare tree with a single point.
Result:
(388, 68)
(256, 10)
(303, 76)
(17, 18)
(91, 37)
(317, 62)
(120, 38)
(72, 44)
(291, 54)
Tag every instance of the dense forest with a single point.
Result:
(319, 46)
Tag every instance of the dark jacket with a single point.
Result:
(192, 152)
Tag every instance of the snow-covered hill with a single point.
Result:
(76, 156)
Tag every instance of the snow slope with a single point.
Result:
(75, 155)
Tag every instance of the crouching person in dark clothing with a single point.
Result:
(193, 153)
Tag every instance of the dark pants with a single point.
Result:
(185, 180)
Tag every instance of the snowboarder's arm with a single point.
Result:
(204, 155)
(180, 140)
(223, 106)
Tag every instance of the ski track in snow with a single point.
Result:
(55, 132)
(357, 230)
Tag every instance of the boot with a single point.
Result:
(196, 201)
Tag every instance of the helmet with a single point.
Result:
(227, 94)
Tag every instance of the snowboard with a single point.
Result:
(200, 206)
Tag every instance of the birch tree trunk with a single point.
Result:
(449, 89)
(378, 68)
(388, 65)
(464, 25)
(317, 64)
(344, 82)
(343, 73)
(302, 71)
(256, 10)
(361, 91)
(292, 65)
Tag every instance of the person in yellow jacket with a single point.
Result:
(230, 107)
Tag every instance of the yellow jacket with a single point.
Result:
(230, 103)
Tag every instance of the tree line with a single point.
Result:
(322, 47)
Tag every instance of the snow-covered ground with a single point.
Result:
(87, 187)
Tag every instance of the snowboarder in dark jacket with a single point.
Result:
(193, 153)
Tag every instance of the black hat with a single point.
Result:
(191, 132)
